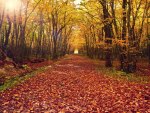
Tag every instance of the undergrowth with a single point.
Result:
(132, 77)
(20, 78)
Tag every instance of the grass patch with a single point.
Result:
(20, 78)
(132, 77)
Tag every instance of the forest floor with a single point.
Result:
(77, 84)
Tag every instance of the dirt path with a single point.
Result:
(73, 85)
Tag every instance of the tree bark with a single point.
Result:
(108, 34)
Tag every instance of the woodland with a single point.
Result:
(99, 29)
(52, 42)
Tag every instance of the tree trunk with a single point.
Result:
(124, 5)
(123, 55)
(8, 31)
(108, 34)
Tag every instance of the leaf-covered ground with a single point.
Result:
(74, 85)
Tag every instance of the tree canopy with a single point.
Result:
(53, 28)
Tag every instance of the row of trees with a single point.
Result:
(48, 28)
(117, 29)
(35, 28)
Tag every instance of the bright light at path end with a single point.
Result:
(76, 51)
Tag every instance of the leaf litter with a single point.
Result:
(64, 88)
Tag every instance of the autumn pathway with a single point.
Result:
(74, 85)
